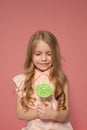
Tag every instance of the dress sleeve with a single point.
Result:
(19, 82)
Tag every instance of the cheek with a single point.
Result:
(35, 59)
(52, 60)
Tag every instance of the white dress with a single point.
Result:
(39, 124)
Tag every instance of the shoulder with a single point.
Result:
(66, 87)
(19, 82)
(19, 76)
(19, 79)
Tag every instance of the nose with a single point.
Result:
(44, 57)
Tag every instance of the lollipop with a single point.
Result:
(43, 90)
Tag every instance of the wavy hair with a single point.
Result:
(57, 76)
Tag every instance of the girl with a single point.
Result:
(43, 65)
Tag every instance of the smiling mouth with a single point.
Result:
(43, 64)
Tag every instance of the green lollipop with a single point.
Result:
(43, 90)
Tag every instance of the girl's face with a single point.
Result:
(42, 56)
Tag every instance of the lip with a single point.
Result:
(43, 64)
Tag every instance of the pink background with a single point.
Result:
(67, 19)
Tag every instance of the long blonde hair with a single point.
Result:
(57, 76)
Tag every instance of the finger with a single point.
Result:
(47, 103)
(41, 106)
(40, 114)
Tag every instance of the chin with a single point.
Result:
(43, 69)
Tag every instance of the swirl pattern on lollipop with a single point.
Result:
(43, 90)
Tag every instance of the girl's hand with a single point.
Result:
(45, 110)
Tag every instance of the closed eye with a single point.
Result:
(37, 54)
(49, 53)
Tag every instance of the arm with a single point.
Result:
(47, 112)
(23, 114)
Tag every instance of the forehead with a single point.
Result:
(42, 46)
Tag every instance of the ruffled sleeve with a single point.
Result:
(19, 82)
